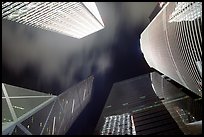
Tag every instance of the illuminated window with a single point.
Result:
(75, 19)
(125, 104)
(41, 124)
(84, 94)
(73, 105)
(143, 97)
(32, 119)
(17, 107)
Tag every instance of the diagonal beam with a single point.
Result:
(13, 114)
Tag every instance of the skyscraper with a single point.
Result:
(171, 43)
(28, 112)
(75, 19)
(185, 108)
(133, 108)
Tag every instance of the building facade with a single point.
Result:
(28, 112)
(133, 108)
(75, 19)
(171, 43)
(183, 107)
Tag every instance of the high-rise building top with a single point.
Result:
(28, 112)
(75, 19)
(171, 43)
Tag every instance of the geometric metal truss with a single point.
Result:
(75, 19)
(29, 112)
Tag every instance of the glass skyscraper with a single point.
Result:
(75, 19)
(28, 112)
(133, 108)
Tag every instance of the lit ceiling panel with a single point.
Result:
(75, 19)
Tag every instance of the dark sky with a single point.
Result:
(50, 62)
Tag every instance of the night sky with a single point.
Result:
(50, 62)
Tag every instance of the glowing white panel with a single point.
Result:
(73, 105)
(93, 8)
(53, 129)
(75, 19)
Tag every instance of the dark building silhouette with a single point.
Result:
(136, 99)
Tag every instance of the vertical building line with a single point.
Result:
(73, 105)
(48, 118)
(25, 130)
(53, 126)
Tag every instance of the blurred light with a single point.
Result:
(75, 19)
(161, 4)
(73, 105)
(21, 108)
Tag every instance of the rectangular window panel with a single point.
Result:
(75, 19)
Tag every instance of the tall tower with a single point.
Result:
(75, 19)
(133, 108)
(171, 43)
(184, 107)
(28, 112)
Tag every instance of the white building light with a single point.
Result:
(186, 11)
(75, 19)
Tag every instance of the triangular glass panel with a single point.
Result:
(6, 114)
(24, 105)
(36, 122)
(18, 131)
(7, 127)
(54, 121)
(18, 91)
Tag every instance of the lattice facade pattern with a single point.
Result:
(75, 19)
(171, 43)
(30, 112)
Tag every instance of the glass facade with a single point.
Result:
(118, 125)
(75, 19)
(37, 113)
(133, 105)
